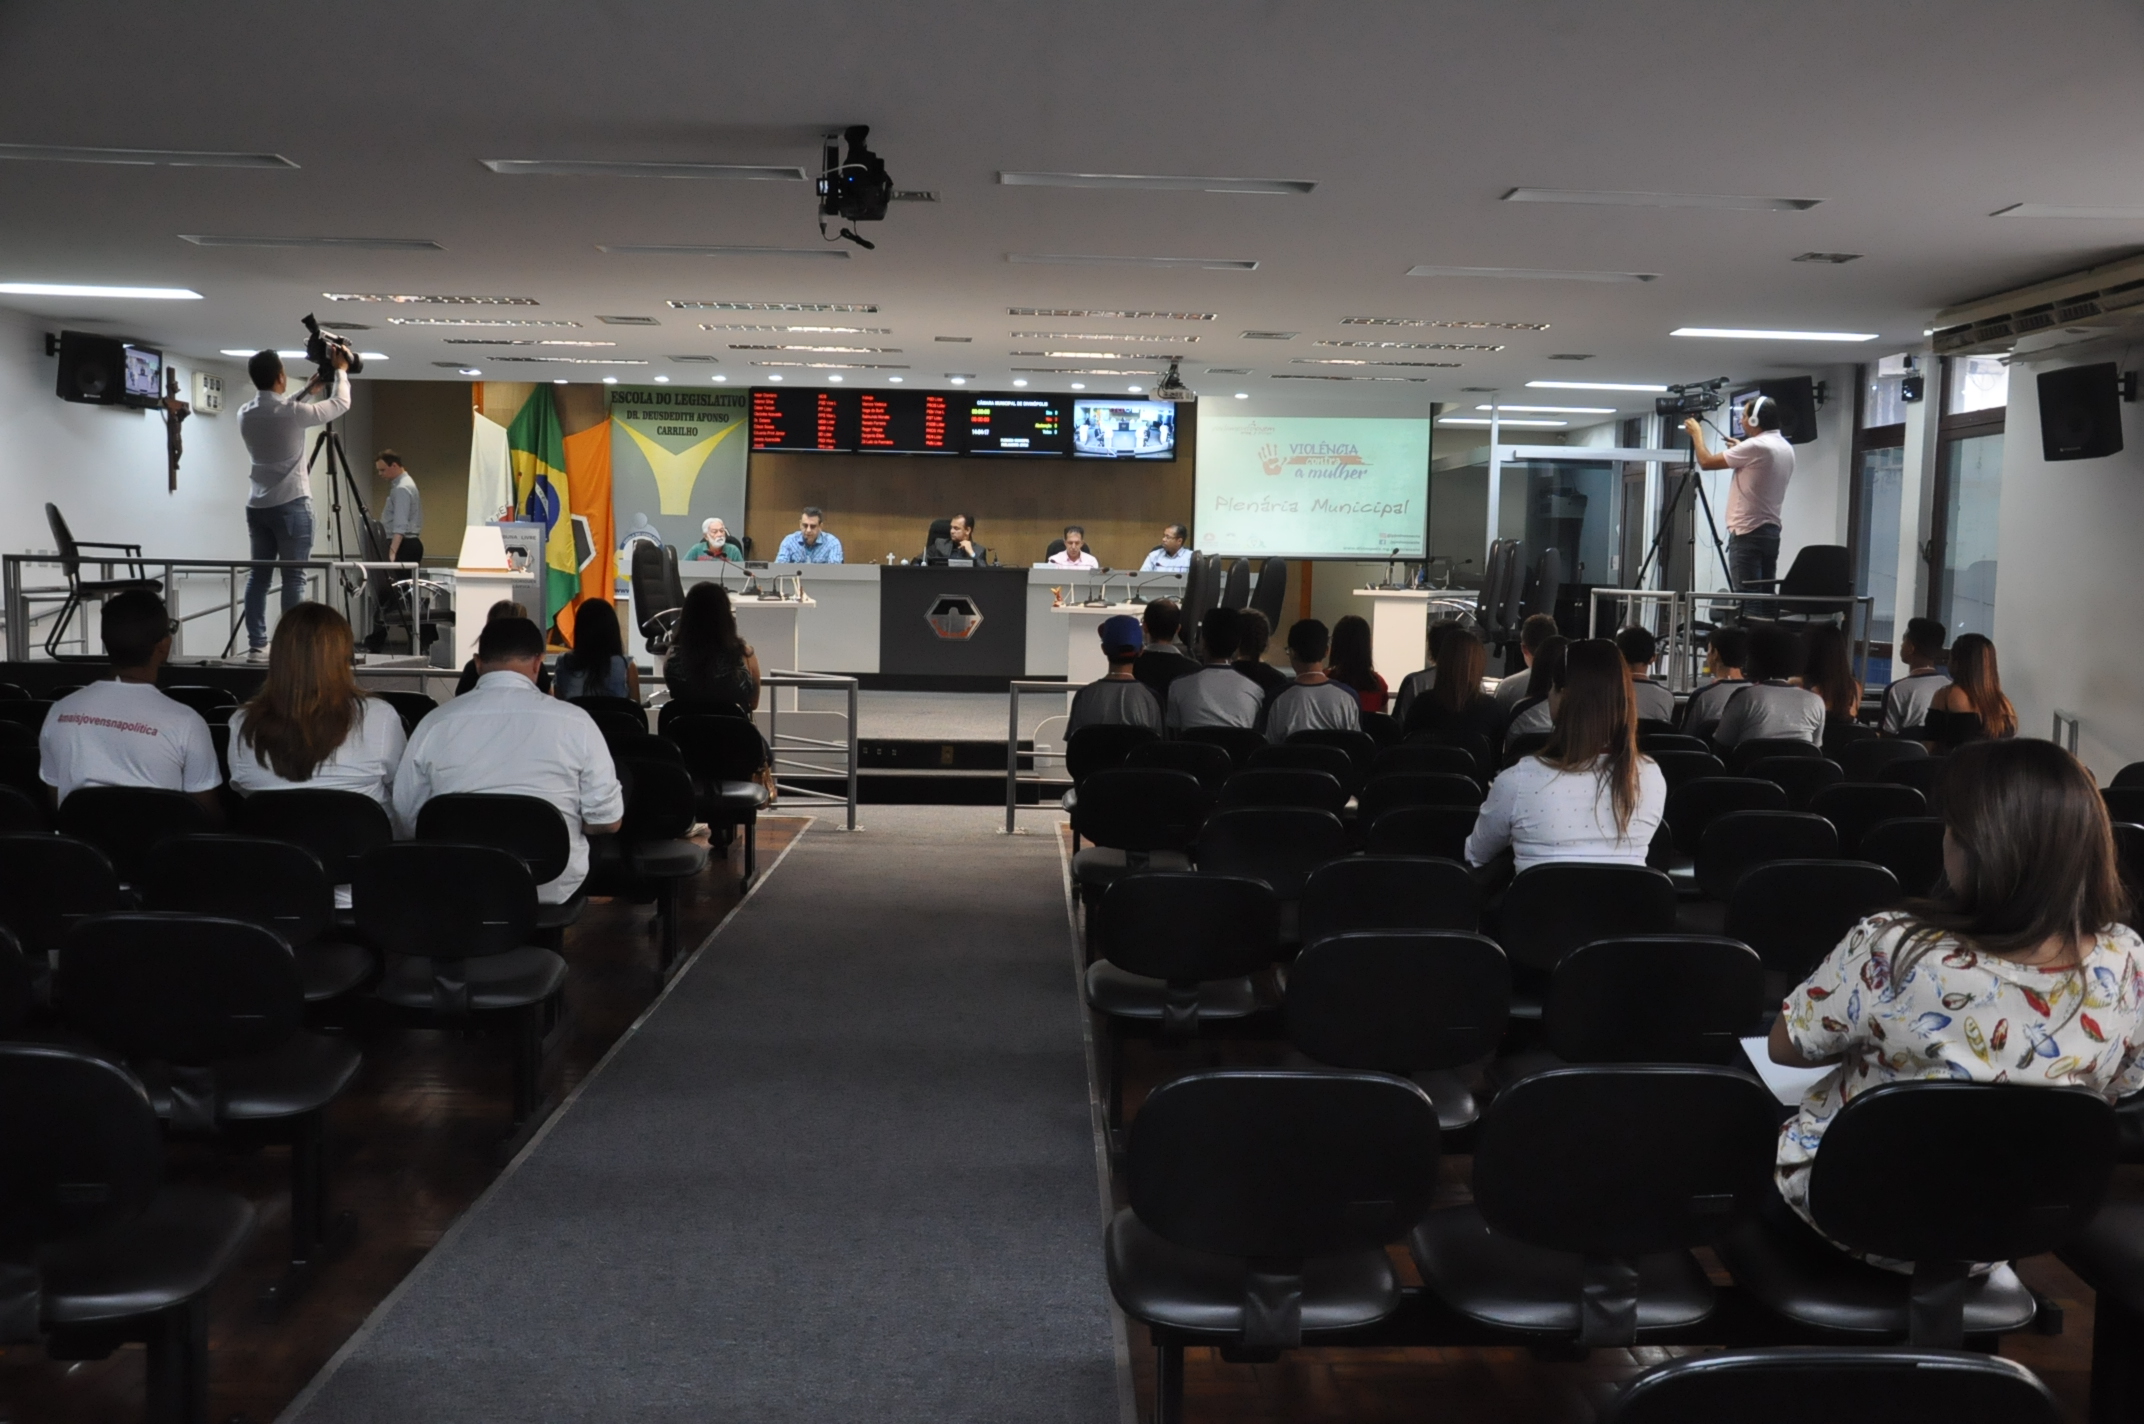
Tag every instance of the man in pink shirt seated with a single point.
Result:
(1074, 555)
(1763, 463)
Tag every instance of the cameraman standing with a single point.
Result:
(1763, 463)
(279, 513)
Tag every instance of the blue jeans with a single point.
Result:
(281, 531)
(1754, 558)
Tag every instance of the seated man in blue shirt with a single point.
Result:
(810, 544)
(1172, 557)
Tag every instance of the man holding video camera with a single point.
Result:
(1763, 462)
(279, 512)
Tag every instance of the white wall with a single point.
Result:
(1815, 509)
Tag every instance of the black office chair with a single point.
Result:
(125, 822)
(2125, 803)
(724, 754)
(1422, 759)
(411, 707)
(1103, 745)
(1679, 767)
(338, 827)
(1818, 571)
(2109, 1254)
(1743, 755)
(527, 827)
(1854, 806)
(1280, 786)
(1382, 728)
(619, 727)
(1654, 743)
(2034, 1195)
(1550, 910)
(271, 883)
(658, 593)
(600, 702)
(1654, 999)
(1436, 832)
(27, 712)
(1867, 761)
(1239, 742)
(1362, 748)
(653, 853)
(48, 884)
(1910, 847)
(120, 1254)
(1280, 845)
(215, 703)
(668, 715)
(1333, 761)
(1136, 818)
(1923, 774)
(1840, 733)
(1382, 794)
(1209, 763)
(1522, 746)
(1840, 1385)
(20, 812)
(1236, 591)
(1800, 777)
(1261, 1204)
(1694, 805)
(82, 590)
(1202, 586)
(1735, 843)
(1270, 594)
(1388, 892)
(1794, 912)
(1486, 758)
(2128, 776)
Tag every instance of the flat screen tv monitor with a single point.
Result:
(144, 375)
(1796, 396)
(1124, 429)
(1014, 423)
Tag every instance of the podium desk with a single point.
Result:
(943, 621)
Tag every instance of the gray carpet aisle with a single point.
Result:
(844, 1172)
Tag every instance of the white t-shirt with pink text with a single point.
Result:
(125, 734)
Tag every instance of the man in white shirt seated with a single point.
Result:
(123, 732)
(505, 738)
(1216, 695)
(1511, 691)
(1313, 700)
(1119, 699)
(1074, 554)
(1638, 647)
(1172, 557)
(1907, 700)
(1768, 708)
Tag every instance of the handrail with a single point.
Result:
(1012, 744)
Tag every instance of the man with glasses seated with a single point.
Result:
(122, 731)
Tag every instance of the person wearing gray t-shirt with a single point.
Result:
(1118, 699)
(1216, 695)
(1313, 700)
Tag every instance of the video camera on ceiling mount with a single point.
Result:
(855, 190)
(1692, 398)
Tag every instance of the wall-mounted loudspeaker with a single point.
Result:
(92, 369)
(2080, 412)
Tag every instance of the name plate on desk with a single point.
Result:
(951, 621)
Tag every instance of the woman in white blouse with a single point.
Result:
(1589, 794)
(310, 725)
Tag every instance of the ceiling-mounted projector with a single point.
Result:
(1172, 388)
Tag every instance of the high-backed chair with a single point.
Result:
(658, 593)
(125, 821)
(526, 827)
(271, 883)
(1388, 892)
(1866, 761)
(82, 590)
(1818, 570)
(1654, 999)
(1910, 847)
(1854, 806)
(1270, 593)
(1236, 591)
(1794, 912)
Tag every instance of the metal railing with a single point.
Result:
(1680, 646)
(1013, 779)
(2068, 726)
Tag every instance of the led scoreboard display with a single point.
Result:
(869, 422)
(794, 418)
(906, 423)
(1018, 425)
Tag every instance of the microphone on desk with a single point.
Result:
(1391, 579)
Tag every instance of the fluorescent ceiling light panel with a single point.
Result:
(1598, 386)
(835, 365)
(405, 299)
(1447, 325)
(474, 321)
(1363, 361)
(1169, 336)
(829, 350)
(1414, 345)
(861, 308)
(602, 168)
(1100, 355)
(1554, 409)
(519, 341)
(1088, 370)
(1404, 380)
(1156, 181)
(1530, 274)
(2132, 212)
(798, 330)
(658, 249)
(291, 355)
(1609, 198)
(141, 157)
(1110, 315)
(573, 360)
(1735, 333)
(1095, 259)
(363, 244)
(75, 289)
(1504, 424)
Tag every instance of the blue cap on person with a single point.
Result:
(1122, 631)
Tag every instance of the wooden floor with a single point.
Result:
(412, 1143)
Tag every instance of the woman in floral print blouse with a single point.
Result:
(2018, 970)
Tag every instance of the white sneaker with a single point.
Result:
(256, 655)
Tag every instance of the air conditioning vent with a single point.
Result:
(2085, 304)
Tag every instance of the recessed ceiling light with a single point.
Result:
(407, 299)
(797, 330)
(1733, 333)
(830, 350)
(371, 244)
(1601, 197)
(1448, 325)
(1414, 345)
(601, 168)
(1098, 259)
(675, 249)
(1111, 315)
(76, 289)
(1364, 361)
(574, 360)
(1135, 390)
(1598, 386)
(1505, 424)
(683, 304)
(1228, 370)
(627, 320)
(897, 379)
(689, 357)
(774, 375)
(1020, 380)
(474, 321)
(1531, 274)
(286, 355)
(1243, 395)
(1569, 356)
(1554, 409)
(1095, 355)
(1266, 336)
(1834, 259)
(1305, 376)
(1089, 370)
(1156, 181)
(471, 371)
(836, 376)
(2064, 210)
(725, 378)
(837, 365)
(558, 380)
(958, 380)
(141, 157)
(521, 341)
(665, 380)
(957, 340)
(1079, 385)
(1171, 337)
(610, 380)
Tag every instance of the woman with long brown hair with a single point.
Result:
(1352, 665)
(310, 724)
(1589, 794)
(1455, 701)
(2018, 968)
(1976, 687)
(1828, 671)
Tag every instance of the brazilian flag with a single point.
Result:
(536, 448)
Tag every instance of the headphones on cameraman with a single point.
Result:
(1764, 412)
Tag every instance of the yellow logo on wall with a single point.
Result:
(675, 471)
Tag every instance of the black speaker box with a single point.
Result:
(2080, 412)
(92, 369)
(1796, 396)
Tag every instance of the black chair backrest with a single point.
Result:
(646, 747)
(2128, 776)
(2125, 803)
(1140, 808)
(201, 698)
(179, 988)
(1654, 743)
(48, 883)
(1271, 590)
(1209, 763)
(1490, 624)
(1545, 589)
(1361, 747)
(125, 821)
(1297, 757)
(1280, 845)
(28, 712)
(1421, 759)
(719, 748)
(652, 607)
(1744, 754)
(17, 985)
(1679, 767)
(525, 826)
(1910, 847)
(1388, 892)
(1654, 999)
(1800, 777)
(659, 802)
(19, 812)
(64, 543)
(1202, 583)
(1818, 569)
(1283, 786)
(1382, 728)
(13, 692)
(1694, 805)
(1854, 806)
(594, 702)
(2129, 854)
(1841, 1384)
(271, 883)
(1794, 912)
(1102, 745)
(617, 726)
(1839, 734)
(1550, 910)
(338, 827)
(1524, 745)
(1236, 593)
(1187, 928)
(1437, 788)
(668, 715)
(1435, 832)
(1238, 742)
(1923, 774)
(1277, 1165)
(1486, 758)
(84, 1149)
(411, 707)
(1739, 841)
(444, 901)
(1399, 1001)
(1865, 761)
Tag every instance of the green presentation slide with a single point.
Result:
(1312, 486)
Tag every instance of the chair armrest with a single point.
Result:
(133, 549)
(1760, 583)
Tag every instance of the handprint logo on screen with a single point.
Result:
(1269, 459)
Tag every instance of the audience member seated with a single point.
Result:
(1314, 700)
(1215, 695)
(1976, 690)
(1907, 699)
(1455, 701)
(1119, 698)
(1769, 707)
(1350, 664)
(1415, 684)
(1536, 711)
(1163, 660)
(597, 665)
(507, 739)
(1511, 691)
(1725, 653)
(1828, 671)
(504, 608)
(122, 731)
(311, 725)
(716, 544)
(1589, 794)
(2019, 969)
(708, 661)
(1639, 647)
(1253, 636)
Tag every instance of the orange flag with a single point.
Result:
(588, 490)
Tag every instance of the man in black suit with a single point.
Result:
(959, 544)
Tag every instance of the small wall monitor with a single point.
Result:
(1124, 430)
(909, 423)
(144, 368)
(800, 418)
(1018, 424)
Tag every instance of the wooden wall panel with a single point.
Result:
(427, 422)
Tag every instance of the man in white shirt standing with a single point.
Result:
(279, 512)
(123, 732)
(1172, 557)
(506, 738)
(1763, 463)
(1074, 555)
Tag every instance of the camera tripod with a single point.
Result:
(1688, 482)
